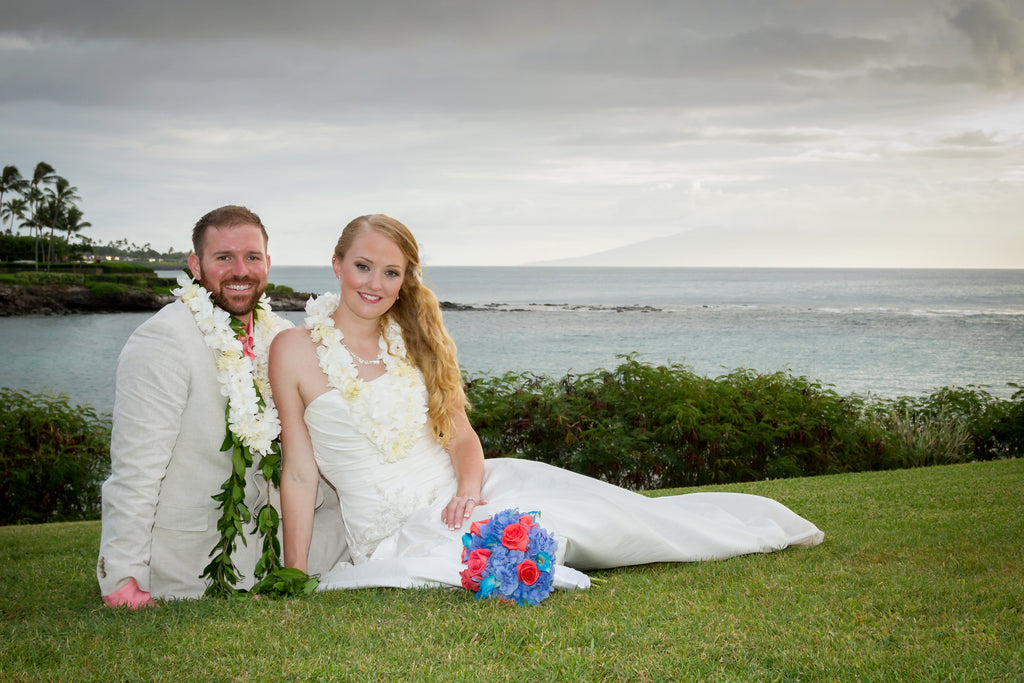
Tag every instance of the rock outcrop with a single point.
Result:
(64, 299)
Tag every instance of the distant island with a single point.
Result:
(794, 247)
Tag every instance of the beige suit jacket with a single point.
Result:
(159, 520)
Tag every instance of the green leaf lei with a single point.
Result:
(221, 573)
(272, 578)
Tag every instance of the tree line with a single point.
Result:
(43, 202)
(46, 205)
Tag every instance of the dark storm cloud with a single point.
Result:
(476, 56)
(998, 41)
(473, 55)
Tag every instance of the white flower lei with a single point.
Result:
(395, 434)
(255, 426)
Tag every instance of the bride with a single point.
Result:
(370, 396)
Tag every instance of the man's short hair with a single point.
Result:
(225, 217)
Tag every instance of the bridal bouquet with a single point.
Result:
(509, 557)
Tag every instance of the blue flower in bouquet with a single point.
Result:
(510, 557)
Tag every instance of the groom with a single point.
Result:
(159, 519)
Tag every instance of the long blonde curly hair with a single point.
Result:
(418, 312)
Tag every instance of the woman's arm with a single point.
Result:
(468, 460)
(299, 473)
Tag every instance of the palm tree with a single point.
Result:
(62, 198)
(34, 196)
(47, 214)
(64, 191)
(15, 207)
(72, 221)
(43, 173)
(11, 181)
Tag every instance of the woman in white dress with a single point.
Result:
(369, 395)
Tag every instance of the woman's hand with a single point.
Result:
(468, 461)
(459, 508)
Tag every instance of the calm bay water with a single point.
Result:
(886, 332)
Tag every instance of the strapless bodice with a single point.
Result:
(376, 495)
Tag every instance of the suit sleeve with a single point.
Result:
(152, 389)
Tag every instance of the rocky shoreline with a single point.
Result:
(73, 299)
(16, 300)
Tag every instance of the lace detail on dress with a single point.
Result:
(397, 503)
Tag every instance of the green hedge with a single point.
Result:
(644, 426)
(639, 426)
(53, 459)
(104, 290)
(42, 277)
(145, 280)
(115, 267)
(992, 427)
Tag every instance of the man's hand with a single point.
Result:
(128, 595)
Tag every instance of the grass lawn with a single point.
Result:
(919, 579)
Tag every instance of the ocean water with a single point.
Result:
(883, 332)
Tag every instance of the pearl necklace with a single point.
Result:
(361, 360)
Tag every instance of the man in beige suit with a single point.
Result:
(159, 517)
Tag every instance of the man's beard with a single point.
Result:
(220, 299)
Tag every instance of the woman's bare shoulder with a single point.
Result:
(293, 337)
(291, 346)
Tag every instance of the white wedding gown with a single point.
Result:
(392, 511)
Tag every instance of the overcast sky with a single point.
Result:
(746, 132)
